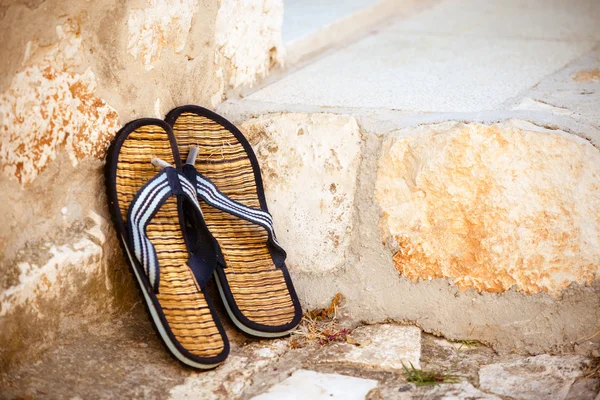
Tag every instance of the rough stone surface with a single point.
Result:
(380, 347)
(48, 105)
(66, 270)
(160, 24)
(462, 358)
(548, 377)
(233, 377)
(510, 321)
(314, 385)
(483, 70)
(248, 39)
(491, 207)
(125, 359)
(310, 180)
(586, 75)
(58, 264)
(573, 91)
(459, 391)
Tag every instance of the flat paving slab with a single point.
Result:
(561, 20)
(385, 346)
(304, 384)
(459, 56)
(302, 17)
(544, 376)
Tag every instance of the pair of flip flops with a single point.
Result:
(188, 203)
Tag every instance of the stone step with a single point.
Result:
(312, 27)
(445, 170)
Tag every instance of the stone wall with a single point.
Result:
(491, 208)
(71, 73)
(479, 231)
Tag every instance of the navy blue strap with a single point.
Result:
(146, 203)
(209, 193)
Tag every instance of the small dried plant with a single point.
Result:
(321, 326)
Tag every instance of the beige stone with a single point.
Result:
(540, 377)
(248, 40)
(233, 376)
(48, 105)
(491, 207)
(305, 384)
(37, 282)
(385, 346)
(71, 73)
(458, 391)
(160, 24)
(310, 180)
(592, 75)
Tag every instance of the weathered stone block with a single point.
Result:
(248, 41)
(160, 24)
(48, 104)
(385, 347)
(491, 207)
(309, 164)
(234, 376)
(318, 386)
(547, 377)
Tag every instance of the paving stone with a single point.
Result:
(474, 65)
(574, 91)
(462, 358)
(233, 377)
(532, 19)
(539, 377)
(459, 391)
(584, 388)
(305, 384)
(383, 346)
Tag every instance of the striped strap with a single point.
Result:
(209, 193)
(145, 205)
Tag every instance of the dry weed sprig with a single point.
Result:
(321, 326)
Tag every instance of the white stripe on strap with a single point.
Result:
(208, 192)
(146, 203)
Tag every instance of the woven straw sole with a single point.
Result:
(259, 297)
(184, 318)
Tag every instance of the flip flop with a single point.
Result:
(146, 203)
(252, 277)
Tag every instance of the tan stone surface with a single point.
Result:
(306, 384)
(47, 105)
(310, 180)
(67, 83)
(385, 347)
(248, 40)
(56, 266)
(587, 75)
(234, 376)
(162, 23)
(491, 207)
(540, 377)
